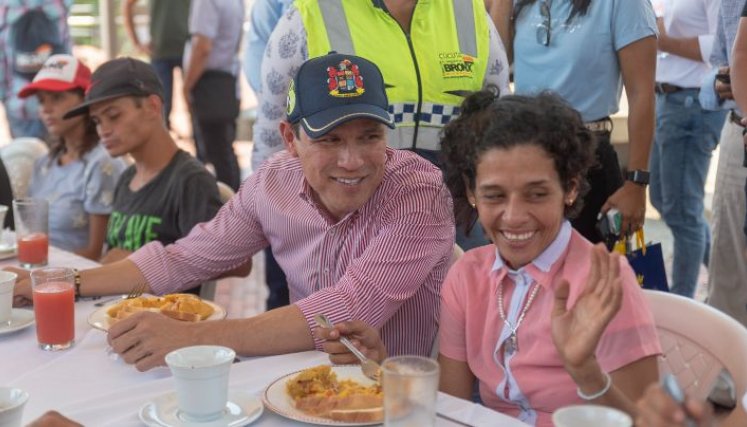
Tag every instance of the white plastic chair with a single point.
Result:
(19, 157)
(207, 291)
(697, 342)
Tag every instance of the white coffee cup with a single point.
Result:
(201, 380)
(12, 401)
(7, 282)
(590, 416)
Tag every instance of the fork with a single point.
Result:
(137, 290)
(370, 368)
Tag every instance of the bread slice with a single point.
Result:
(358, 415)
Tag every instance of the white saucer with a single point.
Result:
(242, 409)
(7, 250)
(21, 318)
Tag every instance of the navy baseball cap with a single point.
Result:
(333, 89)
(116, 78)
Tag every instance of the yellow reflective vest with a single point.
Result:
(428, 71)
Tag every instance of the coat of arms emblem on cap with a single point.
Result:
(345, 80)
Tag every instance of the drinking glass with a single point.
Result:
(410, 388)
(54, 307)
(31, 218)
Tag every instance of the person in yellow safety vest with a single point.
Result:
(432, 54)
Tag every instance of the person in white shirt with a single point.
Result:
(686, 134)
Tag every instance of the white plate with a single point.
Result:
(277, 400)
(100, 320)
(242, 409)
(20, 319)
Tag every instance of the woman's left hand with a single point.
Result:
(576, 332)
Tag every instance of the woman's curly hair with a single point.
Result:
(487, 122)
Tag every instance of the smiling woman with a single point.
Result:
(563, 314)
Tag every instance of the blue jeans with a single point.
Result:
(686, 135)
(164, 68)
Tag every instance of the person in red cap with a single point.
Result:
(78, 176)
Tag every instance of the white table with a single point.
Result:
(98, 389)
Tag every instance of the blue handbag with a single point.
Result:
(648, 263)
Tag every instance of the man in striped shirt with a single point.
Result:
(362, 232)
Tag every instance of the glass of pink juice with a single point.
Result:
(54, 307)
(31, 218)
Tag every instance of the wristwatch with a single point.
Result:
(638, 176)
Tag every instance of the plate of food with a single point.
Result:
(185, 307)
(327, 395)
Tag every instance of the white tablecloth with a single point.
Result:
(96, 388)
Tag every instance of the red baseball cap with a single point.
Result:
(58, 74)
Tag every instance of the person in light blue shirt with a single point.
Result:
(76, 191)
(584, 51)
(264, 16)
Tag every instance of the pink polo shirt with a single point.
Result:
(532, 383)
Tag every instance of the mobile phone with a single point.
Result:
(672, 388)
(723, 78)
(609, 226)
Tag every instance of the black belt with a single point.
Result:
(601, 125)
(667, 88)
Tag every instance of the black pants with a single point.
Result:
(277, 284)
(605, 178)
(215, 143)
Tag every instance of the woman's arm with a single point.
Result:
(500, 13)
(577, 331)
(638, 67)
(456, 378)
(628, 383)
(96, 234)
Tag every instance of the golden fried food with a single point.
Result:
(317, 391)
(185, 307)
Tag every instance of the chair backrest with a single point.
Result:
(697, 342)
(19, 157)
(207, 291)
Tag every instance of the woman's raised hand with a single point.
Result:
(576, 331)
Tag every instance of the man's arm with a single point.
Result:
(686, 47)
(638, 67)
(200, 48)
(128, 14)
(144, 339)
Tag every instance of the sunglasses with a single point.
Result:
(544, 30)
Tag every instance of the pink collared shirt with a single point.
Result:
(534, 382)
(383, 264)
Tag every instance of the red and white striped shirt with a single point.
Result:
(383, 264)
